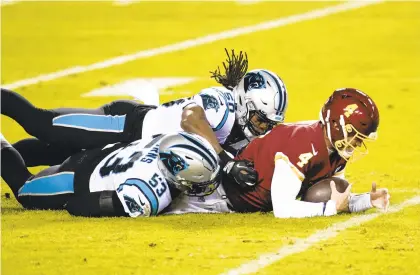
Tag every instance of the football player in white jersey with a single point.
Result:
(123, 179)
(248, 105)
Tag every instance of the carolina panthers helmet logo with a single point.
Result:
(253, 81)
(173, 162)
(210, 102)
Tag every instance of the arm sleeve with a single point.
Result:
(285, 186)
(219, 111)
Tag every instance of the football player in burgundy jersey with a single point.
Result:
(293, 156)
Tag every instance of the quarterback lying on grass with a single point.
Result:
(292, 157)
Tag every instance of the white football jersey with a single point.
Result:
(132, 171)
(218, 104)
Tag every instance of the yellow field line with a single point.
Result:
(321, 235)
(314, 14)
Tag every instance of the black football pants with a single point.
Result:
(64, 131)
(53, 188)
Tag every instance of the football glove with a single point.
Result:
(241, 171)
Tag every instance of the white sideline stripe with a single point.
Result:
(247, 2)
(8, 2)
(124, 2)
(318, 13)
(404, 190)
(321, 235)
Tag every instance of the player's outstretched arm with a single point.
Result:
(285, 186)
(194, 120)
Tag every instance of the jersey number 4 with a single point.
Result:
(304, 158)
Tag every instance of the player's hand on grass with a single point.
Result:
(379, 197)
(341, 199)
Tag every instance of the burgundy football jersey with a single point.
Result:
(303, 144)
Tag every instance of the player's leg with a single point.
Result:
(41, 123)
(36, 152)
(49, 189)
(71, 127)
(55, 187)
(13, 169)
(119, 121)
(135, 114)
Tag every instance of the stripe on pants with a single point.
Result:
(56, 184)
(89, 122)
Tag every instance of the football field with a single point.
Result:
(85, 54)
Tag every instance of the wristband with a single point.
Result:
(224, 158)
(330, 208)
(359, 202)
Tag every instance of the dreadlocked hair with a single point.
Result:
(235, 69)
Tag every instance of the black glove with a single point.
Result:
(241, 171)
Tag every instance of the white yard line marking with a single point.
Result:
(321, 235)
(124, 2)
(404, 190)
(8, 2)
(247, 2)
(143, 89)
(318, 13)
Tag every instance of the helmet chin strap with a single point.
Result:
(326, 122)
(343, 126)
(243, 120)
(249, 136)
(346, 154)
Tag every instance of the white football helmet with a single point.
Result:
(261, 102)
(189, 163)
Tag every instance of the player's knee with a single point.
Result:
(37, 122)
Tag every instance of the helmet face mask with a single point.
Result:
(201, 189)
(353, 147)
(259, 124)
(351, 119)
(261, 102)
(189, 163)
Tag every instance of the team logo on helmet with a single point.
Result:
(173, 162)
(253, 81)
(210, 102)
